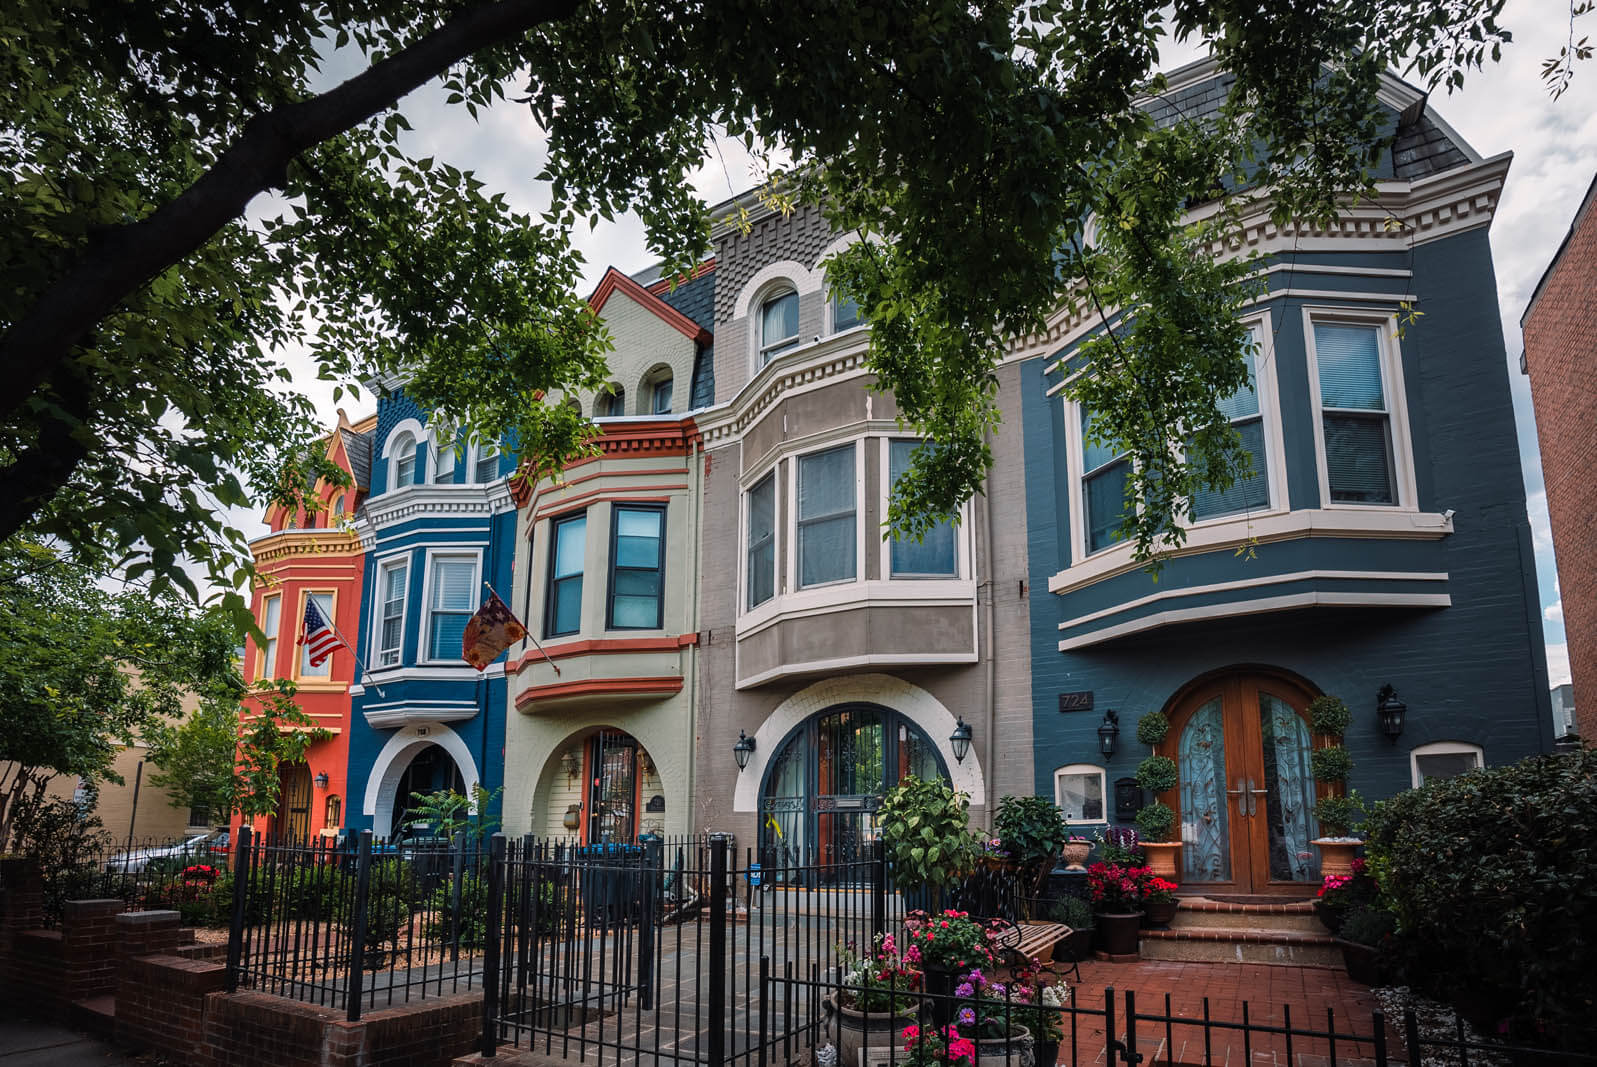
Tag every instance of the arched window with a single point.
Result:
(611, 401)
(845, 313)
(779, 329)
(403, 451)
(660, 395)
(827, 780)
(1444, 759)
(444, 457)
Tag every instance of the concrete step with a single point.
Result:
(1199, 913)
(1241, 945)
(95, 1015)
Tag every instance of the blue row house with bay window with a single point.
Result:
(439, 524)
(1380, 541)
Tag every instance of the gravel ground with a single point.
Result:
(1437, 1022)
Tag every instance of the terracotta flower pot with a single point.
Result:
(1336, 856)
(1164, 858)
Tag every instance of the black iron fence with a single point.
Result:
(184, 874)
(686, 951)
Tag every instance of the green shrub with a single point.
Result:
(391, 896)
(1491, 875)
(1340, 816)
(1328, 715)
(1074, 912)
(1330, 764)
(926, 833)
(1031, 830)
(1368, 926)
(1152, 728)
(1155, 822)
(1157, 774)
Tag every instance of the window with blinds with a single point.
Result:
(486, 468)
(563, 610)
(444, 458)
(761, 541)
(637, 568)
(778, 325)
(826, 515)
(404, 461)
(1356, 414)
(933, 556)
(324, 604)
(1106, 473)
(452, 600)
(1250, 493)
(271, 610)
(391, 626)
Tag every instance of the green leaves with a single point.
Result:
(925, 833)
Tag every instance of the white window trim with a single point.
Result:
(757, 325)
(268, 652)
(1393, 392)
(1442, 748)
(962, 547)
(299, 656)
(1266, 387)
(1084, 769)
(786, 273)
(744, 607)
(475, 454)
(424, 635)
(387, 563)
(791, 553)
(418, 434)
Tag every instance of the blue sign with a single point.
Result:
(754, 874)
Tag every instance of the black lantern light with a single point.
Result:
(743, 749)
(321, 780)
(959, 740)
(1391, 710)
(1108, 732)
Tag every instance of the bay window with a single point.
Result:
(760, 541)
(1355, 414)
(827, 508)
(637, 568)
(451, 601)
(563, 604)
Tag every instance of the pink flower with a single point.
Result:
(962, 1048)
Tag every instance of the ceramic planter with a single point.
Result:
(1164, 858)
(858, 1030)
(1117, 934)
(1016, 1050)
(1336, 856)
(1159, 912)
(1075, 854)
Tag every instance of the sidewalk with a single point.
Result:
(27, 1043)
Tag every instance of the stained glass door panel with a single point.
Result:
(1288, 808)
(1205, 825)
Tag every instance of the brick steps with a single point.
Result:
(95, 1015)
(1241, 945)
(1287, 916)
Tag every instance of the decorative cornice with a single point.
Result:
(615, 646)
(614, 281)
(286, 544)
(414, 501)
(839, 356)
(629, 437)
(591, 687)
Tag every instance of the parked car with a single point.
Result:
(179, 854)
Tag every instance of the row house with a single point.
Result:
(1379, 552)
(437, 528)
(312, 556)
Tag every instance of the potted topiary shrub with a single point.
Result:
(1076, 913)
(1156, 822)
(927, 839)
(1339, 811)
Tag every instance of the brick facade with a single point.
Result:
(1560, 331)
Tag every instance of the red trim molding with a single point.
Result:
(614, 281)
(604, 646)
(662, 686)
(698, 272)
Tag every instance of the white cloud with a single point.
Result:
(1557, 664)
(1554, 612)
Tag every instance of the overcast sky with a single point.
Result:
(1502, 109)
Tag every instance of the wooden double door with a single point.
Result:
(1245, 795)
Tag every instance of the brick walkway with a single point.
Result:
(1271, 994)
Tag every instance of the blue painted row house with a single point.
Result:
(1382, 539)
(438, 524)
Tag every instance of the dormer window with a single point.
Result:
(486, 467)
(611, 401)
(660, 396)
(404, 452)
(779, 330)
(444, 459)
(845, 314)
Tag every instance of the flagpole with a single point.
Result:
(524, 626)
(364, 670)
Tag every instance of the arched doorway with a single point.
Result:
(821, 792)
(430, 770)
(1245, 797)
(293, 819)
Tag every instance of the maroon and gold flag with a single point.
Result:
(489, 632)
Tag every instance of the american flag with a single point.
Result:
(320, 638)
